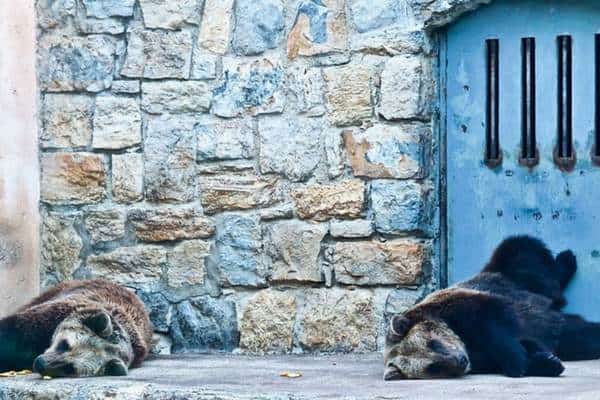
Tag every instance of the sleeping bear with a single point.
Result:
(505, 320)
(77, 329)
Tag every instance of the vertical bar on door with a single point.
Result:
(492, 142)
(596, 151)
(528, 141)
(565, 97)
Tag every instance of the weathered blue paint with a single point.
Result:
(316, 11)
(483, 205)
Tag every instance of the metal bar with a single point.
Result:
(528, 141)
(597, 100)
(442, 172)
(492, 147)
(565, 97)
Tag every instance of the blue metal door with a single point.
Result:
(521, 116)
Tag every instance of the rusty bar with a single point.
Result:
(492, 146)
(565, 97)
(528, 141)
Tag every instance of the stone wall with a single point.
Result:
(262, 172)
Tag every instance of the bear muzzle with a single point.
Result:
(44, 367)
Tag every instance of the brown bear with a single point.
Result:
(77, 329)
(507, 319)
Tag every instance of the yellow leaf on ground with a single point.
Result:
(12, 374)
(24, 372)
(46, 378)
(288, 374)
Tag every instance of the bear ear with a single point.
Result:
(99, 323)
(399, 325)
(115, 367)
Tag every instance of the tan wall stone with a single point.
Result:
(339, 320)
(267, 322)
(322, 202)
(73, 178)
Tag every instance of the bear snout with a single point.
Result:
(463, 361)
(40, 365)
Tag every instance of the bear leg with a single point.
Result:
(505, 352)
(14, 352)
(579, 339)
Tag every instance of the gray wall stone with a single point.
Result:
(293, 249)
(117, 123)
(67, 121)
(169, 161)
(108, 8)
(289, 147)
(169, 14)
(259, 26)
(158, 54)
(238, 246)
(76, 63)
(175, 97)
(255, 87)
(399, 206)
(61, 248)
(127, 177)
(105, 225)
(204, 323)
(137, 267)
(373, 14)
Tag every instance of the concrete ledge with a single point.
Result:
(228, 377)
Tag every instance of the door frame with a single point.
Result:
(19, 165)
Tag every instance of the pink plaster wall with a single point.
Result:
(19, 176)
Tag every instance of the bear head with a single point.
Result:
(424, 349)
(87, 343)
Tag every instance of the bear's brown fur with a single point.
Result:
(506, 319)
(43, 326)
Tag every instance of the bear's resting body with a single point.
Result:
(78, 328)
(507, 319)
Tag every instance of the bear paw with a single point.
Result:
(568, 260)
(545, 364)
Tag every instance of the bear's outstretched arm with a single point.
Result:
(579, 339)
(15, 352)
(566, 263)
(504, 351)
(27, 334)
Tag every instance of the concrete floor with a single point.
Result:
(230, 377)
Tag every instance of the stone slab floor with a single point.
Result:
(230, 377)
